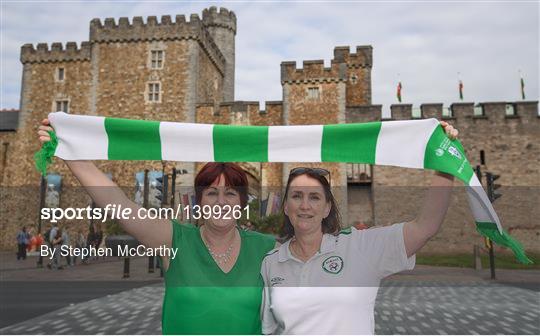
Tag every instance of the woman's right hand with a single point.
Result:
(42, 131)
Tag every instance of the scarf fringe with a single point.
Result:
(490, 231)
(44, 156)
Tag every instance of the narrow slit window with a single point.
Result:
(60, 74)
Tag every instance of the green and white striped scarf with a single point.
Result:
(419, 144)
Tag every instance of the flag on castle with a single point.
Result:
(460, 90)
(399, 92)
(522, 88)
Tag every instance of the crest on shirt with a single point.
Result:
(333, 264)
(276, 281)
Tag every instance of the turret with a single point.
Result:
(222, 28)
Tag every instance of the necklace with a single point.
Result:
(220, 258)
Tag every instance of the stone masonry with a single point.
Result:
(109, 75)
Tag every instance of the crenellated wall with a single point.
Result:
(165, 30)
(511, 147)
(313, 72)
(57, 53)
(359, 67)
(223, 18)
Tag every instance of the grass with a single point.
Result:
(503, 261)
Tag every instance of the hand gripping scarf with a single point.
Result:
(419, 144)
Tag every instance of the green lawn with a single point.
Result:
(466, 260)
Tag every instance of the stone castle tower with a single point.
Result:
(142, 70)
(183, 70)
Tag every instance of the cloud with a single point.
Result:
(426, 43)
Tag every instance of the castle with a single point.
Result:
(183, 71)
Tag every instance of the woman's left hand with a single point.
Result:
(450, 130)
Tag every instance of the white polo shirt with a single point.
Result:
(333, 292)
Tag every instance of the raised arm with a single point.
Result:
(150, 232)
(417, 232)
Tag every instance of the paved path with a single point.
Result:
(401, 308)
(427, 300)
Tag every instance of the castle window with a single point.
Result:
(156, 61)
(354, 79)
(313, 93)
(60, 74)
(62, 105)
(154, 92)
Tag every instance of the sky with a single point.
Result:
(428, 46)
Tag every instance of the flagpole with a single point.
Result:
(398, 93)
(460, 86)
(522, 85)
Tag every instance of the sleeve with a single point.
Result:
(385, 248)
(269, 324)
(269, 243)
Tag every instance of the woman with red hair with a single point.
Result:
(213, 285)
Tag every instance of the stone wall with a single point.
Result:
(209, 81)
(108, 76)
(222, 28)
(510, 144)
(41, 85)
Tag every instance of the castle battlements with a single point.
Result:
(460, 112)
(363, 58)
(57, 53)
(153, 30)
(313, 71)
(109, 30)
(224, 18)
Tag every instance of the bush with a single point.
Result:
(269, 224)
(113, 228)
(265, 224)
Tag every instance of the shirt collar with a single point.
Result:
(328, 244)
(284, 252)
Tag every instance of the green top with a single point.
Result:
(200, 298)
